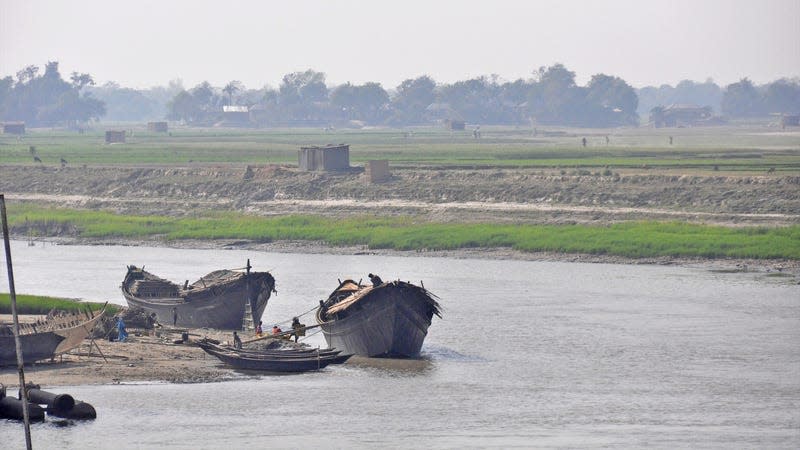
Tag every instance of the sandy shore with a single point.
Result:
(143, 358)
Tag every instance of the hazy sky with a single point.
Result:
(646, 42)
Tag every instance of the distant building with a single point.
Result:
(377, 171)
(790, 120)
(455, 125)
(17, 128)
(157, 127)
(235, 115)
(329, 157)
(115, 136)
(681, 115)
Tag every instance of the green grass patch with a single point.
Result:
(36, 304)
(727, 148)
(630, 239)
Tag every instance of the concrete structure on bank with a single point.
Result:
(115, 136)
(377, 171)
(157, 127)
(327, 158)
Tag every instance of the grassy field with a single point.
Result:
(34, 304)
(629, 239)
(752, 148)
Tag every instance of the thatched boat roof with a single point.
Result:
(364, 293)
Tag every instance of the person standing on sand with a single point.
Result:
(237, 342)
(122, 333)
(174, 316)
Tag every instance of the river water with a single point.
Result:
(528, 354)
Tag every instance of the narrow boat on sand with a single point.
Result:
(274, 361)
(47, 339)
(218, 300)
(385, 320)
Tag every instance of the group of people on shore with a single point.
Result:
(298, 329)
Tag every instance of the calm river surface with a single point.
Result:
(529, 354)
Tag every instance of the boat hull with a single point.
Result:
(64, 334)
(220, 307)
(384, 327)
(271, 363)
(35, 347)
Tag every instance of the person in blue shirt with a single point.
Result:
(122, 334)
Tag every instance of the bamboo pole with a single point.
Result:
(17, 344)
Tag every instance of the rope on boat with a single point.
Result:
(310, 334)
(289, 321)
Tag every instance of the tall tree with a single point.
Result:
(556, 99)
(302, 95)
(742, 99)
(411, 99)
(232, 88)
(366, 102)
(49, 100)
(782, 96)
(610, 101)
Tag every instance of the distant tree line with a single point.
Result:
(550, 97)
(46, 99)
(742, 99)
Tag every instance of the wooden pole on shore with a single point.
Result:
(17, 344)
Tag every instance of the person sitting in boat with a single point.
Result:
(376, 280)
(298, 329)
(276, 330)
(237, 342)
(259, 330)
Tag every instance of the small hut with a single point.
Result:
(157, 127)
(377, 171)
(455, 125)
(790, 120)
(115, 136)
(329, 157)
(17, 128)
(680, 115)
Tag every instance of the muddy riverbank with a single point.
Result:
(509, 195)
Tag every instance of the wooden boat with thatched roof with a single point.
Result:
(386, 320)
(218, 300)
(48, 338)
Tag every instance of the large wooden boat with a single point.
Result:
(386, 320)
(217, 300)
(47, 339)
